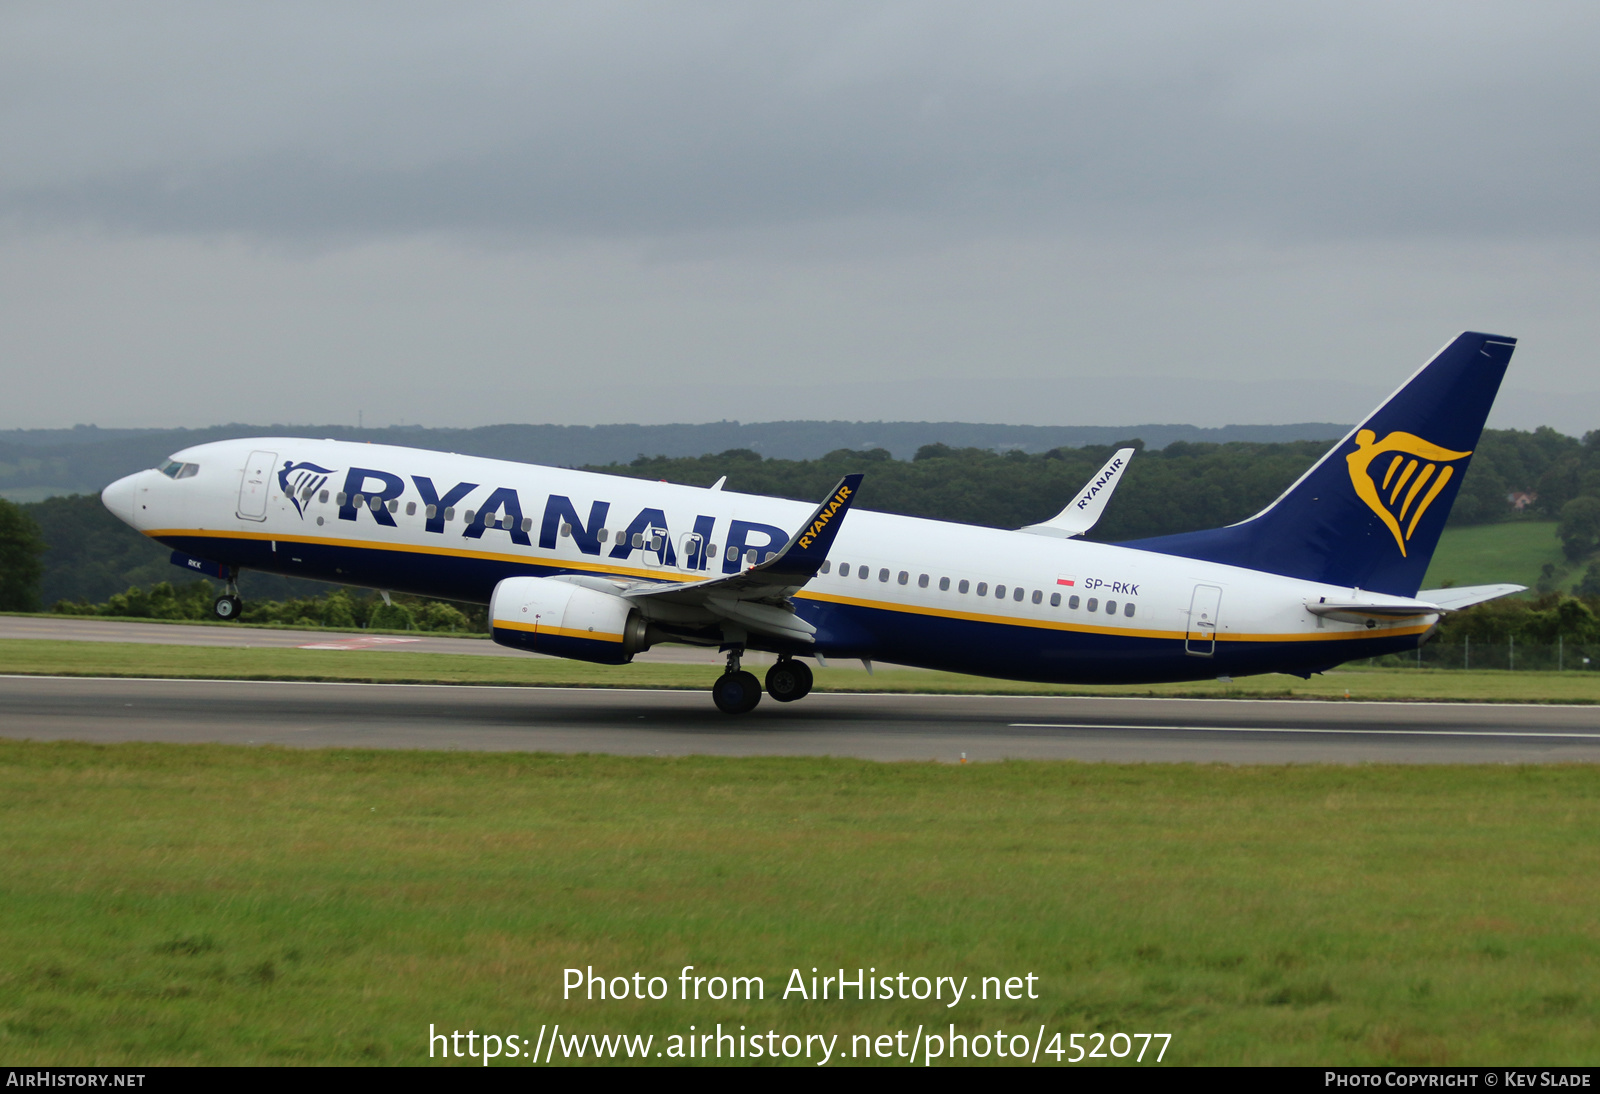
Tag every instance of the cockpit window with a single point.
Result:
(173, 469)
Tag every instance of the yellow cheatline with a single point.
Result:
(563, 632)
(881, 605)
(1089, 628)
(443, 552)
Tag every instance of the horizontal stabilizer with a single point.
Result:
(1085, 510)
(1394, 608)
(1387, 608)
(1465, 596)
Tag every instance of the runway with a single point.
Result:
(942, 728)
(69, 628)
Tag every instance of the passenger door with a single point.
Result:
(256, 485)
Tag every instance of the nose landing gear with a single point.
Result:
(229, 605)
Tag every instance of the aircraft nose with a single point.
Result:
(119, 498)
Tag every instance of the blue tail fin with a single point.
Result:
(1369, 513)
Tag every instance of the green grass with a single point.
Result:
(1493, 554)
(174, 904)
(38, 657)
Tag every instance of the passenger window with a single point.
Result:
(431, 511)
(566, 530)
(1018, 593)
(1111, 607)
(863, 571)
(527, 524)
(323, 498)
(883, 574)
(944, 584)
(339, 499)
(711, 550)
(638, 539)
(1055, 600)
(999, 592)
(904, 577)
(1094, 605)
(411, 508)
(375, 504)
(1127, 609)
(922, 582)
(844, 569)
(305, 495)
(358, 501)
(770, 556)
(963, 587)
(1038, 597)
(750, 557)
(605, 533)
(1072, 602)
(470, 514)
(827, 567)
(983, 588)
(450, 514)
(394, 507)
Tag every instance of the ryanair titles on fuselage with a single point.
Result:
(372, 489)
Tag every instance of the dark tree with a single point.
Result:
(21, 560)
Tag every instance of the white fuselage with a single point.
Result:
(900, 589)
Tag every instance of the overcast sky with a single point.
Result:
(461, 214)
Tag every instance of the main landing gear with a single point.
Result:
(228, 605)
(738, 692)
(789, 680)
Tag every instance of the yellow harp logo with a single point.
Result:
(1396, 496)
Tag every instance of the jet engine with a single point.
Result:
(547, 615)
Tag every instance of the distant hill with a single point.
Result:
(41, 463)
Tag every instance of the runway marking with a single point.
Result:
(1269, 729)
(361, 643)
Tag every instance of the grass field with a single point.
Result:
(1492, 554)
(129, 659)
(166, 904)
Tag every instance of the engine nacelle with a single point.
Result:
(565, 620)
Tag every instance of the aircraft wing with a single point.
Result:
(757, 596)
(1080, 516)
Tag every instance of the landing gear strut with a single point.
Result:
(789, 680)
(228, 605)
(736, 691)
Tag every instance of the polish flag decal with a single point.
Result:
(1061, 580)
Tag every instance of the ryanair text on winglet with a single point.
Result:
(835, 503)
(1100, 482)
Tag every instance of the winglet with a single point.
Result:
(1080, 516)
(808, 548)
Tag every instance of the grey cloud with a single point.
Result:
(318, 121)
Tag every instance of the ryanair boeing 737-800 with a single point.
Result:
(598, 567)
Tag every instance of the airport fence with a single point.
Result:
(1506, 654)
